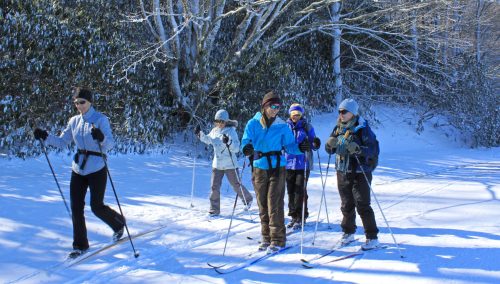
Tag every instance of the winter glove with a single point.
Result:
(97, 134)
(197, 130)
(353, 148)
(316, 143)
(225, 139)
(304, 146)
(40, 134)
(330, 145)
(248, 150)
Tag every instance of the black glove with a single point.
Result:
(40, 134)
(225, 139)
(304, 146)
(331, 145)
(197, 130)
(316, 143)
(353, 148)
(248, 150)
(97, 134)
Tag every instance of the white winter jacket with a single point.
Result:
(222, 159)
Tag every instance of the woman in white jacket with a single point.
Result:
(224, 139)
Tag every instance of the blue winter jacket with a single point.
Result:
(297, 162)
(275, 138)
(78, 130)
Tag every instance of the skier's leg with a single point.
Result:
(216, 182)
(97, 184)
(78, 189)
(276, 208)
(348, 206)
(260, 182)
(238, 187)
(290, 188)
(361, 191)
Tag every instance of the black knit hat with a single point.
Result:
(271, 98)
(82, 93)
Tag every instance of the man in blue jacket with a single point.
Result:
(265, 136)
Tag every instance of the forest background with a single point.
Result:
(161, 67)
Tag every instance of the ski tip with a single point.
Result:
(304, 260)
(216, 266)
(218, 271)
(306, 266)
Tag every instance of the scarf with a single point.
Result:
(343, 132)
(265, 121)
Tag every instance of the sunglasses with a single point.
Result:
(80, 102)
(219, 121)
(343, 111)
(275, 106)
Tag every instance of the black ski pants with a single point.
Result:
(354, 194)
(295, 188)
(96, 182)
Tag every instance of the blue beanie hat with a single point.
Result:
(350, 105)
(296, 109)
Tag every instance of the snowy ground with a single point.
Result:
(440, 199)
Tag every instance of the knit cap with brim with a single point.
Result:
(296, 109)
(222, 114)
(270, 98)
(350, 105)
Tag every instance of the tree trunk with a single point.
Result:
(478, 31)
(173, 69)
(337, 33)
(414, 32)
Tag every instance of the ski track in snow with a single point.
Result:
(124, 266)
(431, 203)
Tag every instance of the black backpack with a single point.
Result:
(373, 161)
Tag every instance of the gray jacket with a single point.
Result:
(78, 130)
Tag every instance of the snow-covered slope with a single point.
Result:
(440, 199)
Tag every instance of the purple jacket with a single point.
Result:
(297, 162)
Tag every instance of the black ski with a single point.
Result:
(260, 256)
(359, 252)
(335, 248)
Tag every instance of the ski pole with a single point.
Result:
(304, 192)
(136, 253)
(194, 170)
(234, 206)
(379, 207)
(230, 224)
(55, 178)
(323, 183)
(239, 181)
(322, 195)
